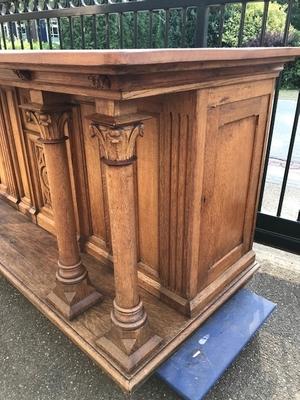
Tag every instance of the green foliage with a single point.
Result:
(252, 23)
(109, 35)
(291, 76)
(295, 17)
(252, 31)
(295, 14)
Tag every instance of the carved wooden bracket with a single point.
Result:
(100, 81)
(117, 136)
(23, 74)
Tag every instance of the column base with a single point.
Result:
(72, 300)
(129, 348)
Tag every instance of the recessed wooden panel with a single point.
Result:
(18, 140)
(233, 153)
(99, 223)
(231, 180)
(147, 174)
(10, 186)
(39, 180)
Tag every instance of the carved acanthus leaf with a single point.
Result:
(51, 124)
(42, 169)
(117, 143)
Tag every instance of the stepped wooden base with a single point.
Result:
(73, 300)
(28, 256)
(132, 349)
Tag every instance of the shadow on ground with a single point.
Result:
(37, 362)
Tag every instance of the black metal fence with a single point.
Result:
(106, 24)
(63, 24)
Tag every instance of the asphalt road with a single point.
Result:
(38, 363)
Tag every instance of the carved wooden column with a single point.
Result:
(73, 293)
(130, 339)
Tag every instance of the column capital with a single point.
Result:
(117, 136)
(50, 119)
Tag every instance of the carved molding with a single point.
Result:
(117, 143)
(99, 81)
(23, 74)
(42, 170)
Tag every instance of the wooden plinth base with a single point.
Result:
(28, 257)
(127, 361)
(72, 300)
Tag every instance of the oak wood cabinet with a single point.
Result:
(149, 163)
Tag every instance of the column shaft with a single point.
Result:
(130, 340)
(123, 233)
(62, 204)
(73, 293)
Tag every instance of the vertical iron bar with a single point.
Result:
(242, 23)
(82, 31)
(3, 37)
(71, 32)
(221, 24)
(121, 30)
(167, 27)
(107, 30)
(61, 46)
(39, 34)
(29, 37)
(150, 29)
(264, 23)
(289, 157)
(135, 29)
(20, 34)
(95, 31)
(287, 23)
(183, 31)
(202, 26)
(49, 33)
(268, 149)
(11, 34)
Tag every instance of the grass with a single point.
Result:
(26, 45)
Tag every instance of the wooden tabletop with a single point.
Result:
(99, 58)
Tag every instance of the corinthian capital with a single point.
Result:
(50, 121)
(117, 136)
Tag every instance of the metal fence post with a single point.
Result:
(201, 26)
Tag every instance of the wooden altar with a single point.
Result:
(143, 169)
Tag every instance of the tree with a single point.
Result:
(108, 33)
(252, 23)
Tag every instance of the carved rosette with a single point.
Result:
(117, 143)
(51, 124)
